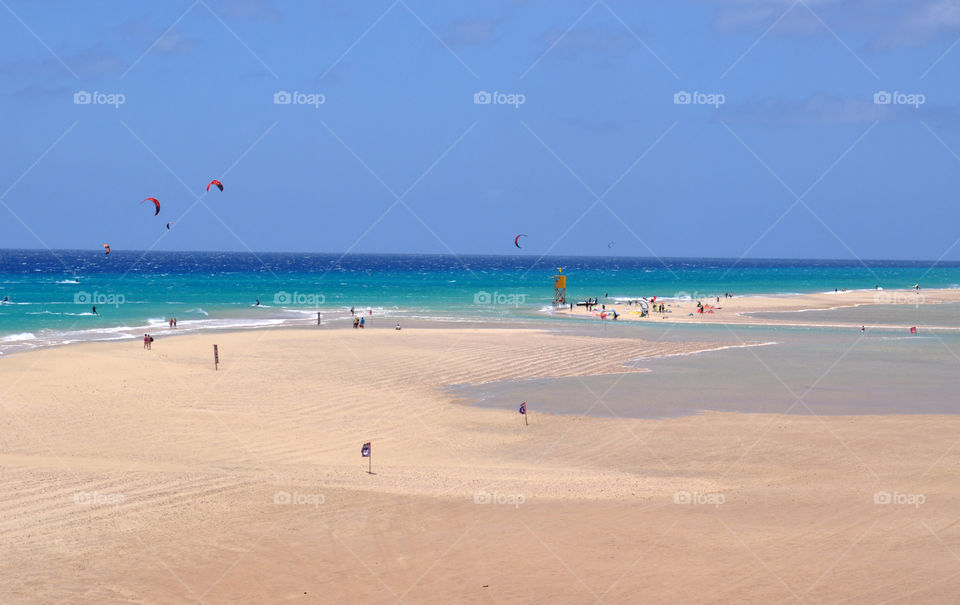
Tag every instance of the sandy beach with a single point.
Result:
(740, 309)
(149, 477)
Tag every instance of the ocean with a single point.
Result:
(51, 294)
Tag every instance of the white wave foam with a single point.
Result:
(18, 337)
(723, 348)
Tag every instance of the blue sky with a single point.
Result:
(400, 158)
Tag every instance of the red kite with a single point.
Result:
(155, 203)
(215, 182)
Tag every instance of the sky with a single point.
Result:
(700, 128)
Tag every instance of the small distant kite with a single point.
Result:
(215, 182)
(168, 225)
(156, 203)
(106, 247)
(610, 245)
(516, 240)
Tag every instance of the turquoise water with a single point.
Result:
(52, 294)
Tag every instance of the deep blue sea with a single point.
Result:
(51, 295)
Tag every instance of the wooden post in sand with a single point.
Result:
(367, 452)
(216, 358)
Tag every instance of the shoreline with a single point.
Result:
(741, 310)
(738, 310)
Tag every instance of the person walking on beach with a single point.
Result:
(174, 322)
(146, 341)
(171, 323)
(356, 322)
(361, 322)
(95, 310)
(863, 329)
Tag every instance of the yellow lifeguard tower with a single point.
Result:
(559, 288)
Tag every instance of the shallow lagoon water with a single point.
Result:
(944, 314)
(823, 371)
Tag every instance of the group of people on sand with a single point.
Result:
(147, 342)
(358, 319)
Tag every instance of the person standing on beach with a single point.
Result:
(361, 322)
(174, 322)
(146, 341)
(171, 323)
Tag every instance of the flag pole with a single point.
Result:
(525, 412)
(370, 460)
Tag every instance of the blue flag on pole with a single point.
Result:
(365, 450)
(523, 407)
